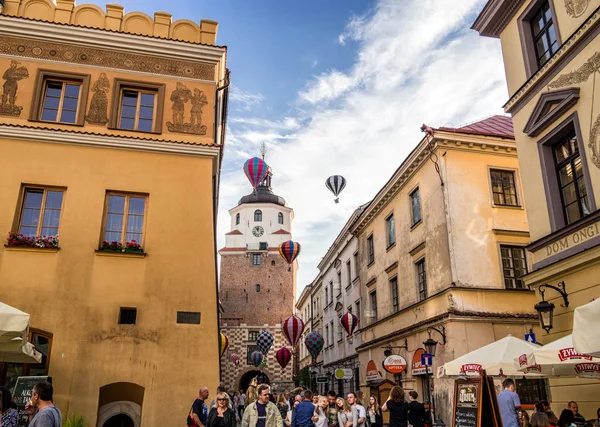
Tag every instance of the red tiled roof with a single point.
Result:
(234, 232)
(500, 126)
(281, 231)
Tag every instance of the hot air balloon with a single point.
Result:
(349, 321)
(292, 328)
(283, 356)
(263, 363)
(256, 358)
(289, 251)
(223, 344)
(235, 358)
(336, 184)
(264, 340)
(314, 344)
(256, 170)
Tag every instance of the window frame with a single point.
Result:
(127, 195)
(411, 196)
(119, 86)
(37, 102)
(526, 35)
(26, 367)
(394, 293)
(373, 304)
(512, 245)
(422, 295)
(551, 183)
(516, 179)
(121, 313)
(256, 213)
(370, 250)
(280, 218)
(390, 232)
(237, 218)
(21, 205)
(349, 274)
(254, 257)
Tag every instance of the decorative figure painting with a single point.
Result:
(576, 8)
(98, 113)
(12, 75)
(180, 97)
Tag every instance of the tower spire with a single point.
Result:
(263, 149)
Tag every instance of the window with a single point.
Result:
(339, 283)
(370, 250)
(331, 328)
(390, 230)
(252, 335)
(504, 189)
(514, 266)
(340, 333)
(355, 264)
(357, 306)
(257, 215)
(422, 279)
(43, 343)
(531, 390)
(40, 211)
(60, 97)
(544, 34)
(124, 218)
(257, 287)
(237, 219)
(263, 246)
(331, 289)
(373, 298)
(326, 335)
(348, 273)
(394, 292)
(415, 203)
(137, 106)
(127, 316)
(326, 295)
(280, 218)
(256, 259)
(571, 182)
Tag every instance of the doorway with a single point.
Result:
(119, 420)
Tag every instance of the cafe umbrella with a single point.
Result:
(560, 359)
(586, 334)
(18, 351)
(496, 358)
(13, 323)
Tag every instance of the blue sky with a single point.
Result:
(341, 87)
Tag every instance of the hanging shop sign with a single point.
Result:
(394, 364)
(343, 374)
(417, 367)
(372, 372)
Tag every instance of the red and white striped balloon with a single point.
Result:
(349, 322)
(292, 328)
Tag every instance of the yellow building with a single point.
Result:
(442, 245)
(551, 53)
(111, 132)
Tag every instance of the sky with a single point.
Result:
(340, 87)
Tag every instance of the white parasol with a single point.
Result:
(586, 334)
(13, 323)
(19, 351)
(496, 358)
(560, 359)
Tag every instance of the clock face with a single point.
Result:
(258, 231)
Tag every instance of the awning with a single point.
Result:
(13, 323)
(560, 359)
(586, 334)
(496, 358)
(19, 351)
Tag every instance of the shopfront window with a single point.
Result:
(531, 391)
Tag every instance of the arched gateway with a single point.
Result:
(246, 376)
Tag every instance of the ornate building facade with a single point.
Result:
(111, 128)
(257, 286)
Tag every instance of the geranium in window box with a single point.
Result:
(43, 242)
(133, 246)
(113, 246)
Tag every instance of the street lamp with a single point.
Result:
(545, 309)
(430, 346)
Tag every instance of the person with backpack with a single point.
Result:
(47, 414)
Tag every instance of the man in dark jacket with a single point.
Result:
(416, 410)
(304, 411)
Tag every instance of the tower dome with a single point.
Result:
(263, 193)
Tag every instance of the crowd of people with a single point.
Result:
(513, 414)
(258, 407)
(40, 409)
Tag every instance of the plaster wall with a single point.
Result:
(269, 223)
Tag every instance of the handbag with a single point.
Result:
(190, 421)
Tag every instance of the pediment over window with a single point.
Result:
(549, 108)
(338, 306)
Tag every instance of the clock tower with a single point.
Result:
(257, 287)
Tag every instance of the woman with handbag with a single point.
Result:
(221, 415)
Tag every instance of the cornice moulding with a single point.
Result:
(495, 16)
(122, 42)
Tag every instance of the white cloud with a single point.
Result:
(244, 100)
(416, 62)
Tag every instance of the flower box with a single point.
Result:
(42, 242)
(114, 246)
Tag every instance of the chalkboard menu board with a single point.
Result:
(22, 395)
(475, 403)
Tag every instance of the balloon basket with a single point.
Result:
(337, 200)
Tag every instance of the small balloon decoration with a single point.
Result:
(263, 363)
(292, 328)
(256, 170)
(314, 344)
(264, 342)
(289, 251)
(349, 322)
(235, 358)
(336, 184)
(223, 345)
(256, 358)
(283, 356)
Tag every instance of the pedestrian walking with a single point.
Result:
(221, 415)
(282, 406)
(262, 412)
(302, 415)
(345, 415)
(397, 406)
(199, 411)
(374, 414)
(47, 414)
(10, 415)
(241, 403)
(509, 403)
(416, 410)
